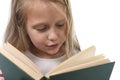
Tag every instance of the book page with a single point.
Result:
(91, 59)
(87, 53)
(81, 66)
(19, 55)
(21, 58)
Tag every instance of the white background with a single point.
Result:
(96, 22)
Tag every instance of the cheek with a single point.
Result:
(63, 35)
(38, 41)
(64, 32)
(35, 37)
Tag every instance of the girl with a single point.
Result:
(43, 30)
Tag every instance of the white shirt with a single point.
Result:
(45, 65)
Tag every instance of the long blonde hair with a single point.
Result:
(16, 34)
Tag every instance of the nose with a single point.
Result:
(53, 35)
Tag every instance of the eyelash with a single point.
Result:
(43, 29)
(60, 25)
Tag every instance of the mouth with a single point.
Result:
(53, 46)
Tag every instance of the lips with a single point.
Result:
(53, 46)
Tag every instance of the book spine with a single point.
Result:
(44, 78)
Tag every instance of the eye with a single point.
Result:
(62, 24)
(42, 28)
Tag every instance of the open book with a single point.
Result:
(82, 66)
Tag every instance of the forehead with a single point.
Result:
(43, 4)
(33, 3)
(44, 11)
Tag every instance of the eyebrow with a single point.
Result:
(62, 20)
(38, 24)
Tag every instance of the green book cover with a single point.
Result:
(11, 71)
(100, 72)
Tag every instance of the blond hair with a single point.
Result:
(16, 34)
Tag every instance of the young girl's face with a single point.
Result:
(46, 27)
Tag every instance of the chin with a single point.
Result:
(52, 52)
